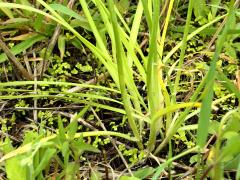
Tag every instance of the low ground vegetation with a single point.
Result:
(119, 89)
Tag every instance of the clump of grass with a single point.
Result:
(160, 114)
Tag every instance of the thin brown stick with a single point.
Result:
(44, 64)
(90, 82)
(26, 60)
(5, 72)
(113, 142)
(80, 120)
(14, 60)
(35, 112)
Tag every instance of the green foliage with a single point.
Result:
(162, 84)
(225, 153)
(22, 46)
(31, 164)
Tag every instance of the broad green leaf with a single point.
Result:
(71, 170)
(79, 147)
(44, 160)
(7, 146)
(7, 11)
(200, 8)
(231, 148)
(65, 10)
(215, 4)
(61, 45)
(80, 23)
(128, 178)
(233, 163)
(65, 149)
(14, 168)
(77, 43)
(28, 146)
(228, 84)
(159, 170)
(30, 136)
(230, 51)
(144, 173)
(207, 95)
(95, 175)
(16, 23)
(78, 19)
(61, 130)
(213, 127)
(233, 123)
(38, 23)
(72, 127)
(122, 5)
(238, 171)
(22, 46)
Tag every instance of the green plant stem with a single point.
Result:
(174, 128)
(153, 87)
(166, 96)
(183, 49)
(205, 112)
(217, 153)
(210, 77)
(147, 14)
(121, 75)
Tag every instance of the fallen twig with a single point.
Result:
(14, 60)
(43, 65)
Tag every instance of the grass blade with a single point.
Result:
(121, 72)
(210, 78)
(22, 46)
